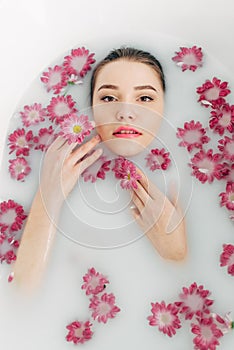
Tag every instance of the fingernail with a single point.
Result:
(97, 137)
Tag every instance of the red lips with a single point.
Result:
(126, 132)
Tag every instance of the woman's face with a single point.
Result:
(127, 106)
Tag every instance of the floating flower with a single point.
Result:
(20, 142)
(207, 334)
(79, 332)
(19, 168)
(212, 93)
(227, 147)
(158, 159)
(227, 258)
(75, 80)
(126, 171)
(193, 135)
(11, 277)
(44, 138)
(165, 318)
(55, 79)
(8, 248)
(97, 170)
(222, 119)
(75, 128)
(194, 301)
(94, 282)
(225, 323)
(228, 171)
(61, 107)
(103, 307)
(33, 114)
(189, 58)
(78, 62)
(227, 198)
(12, 217)
(206, 166)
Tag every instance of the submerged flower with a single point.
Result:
(97, 170)
(212, 93)
(8, 248)
(12, 216)
(206, 166)
(165, 318)
(103, 307)
(193, 135)
(127, 172)
(207, 334)
(79, 332)
(222, 119)
(75, 128)
(61, 107)
(225, 323)
(227, 147)
(227, 258)
(55, 79)
(78, 62)
(189, 58)
(19, 168)
(228, 171)
(44, 138)
(194, 301)
(227, 198)
(33, 114)
(94, 282)
(20, 142)
(158, 159)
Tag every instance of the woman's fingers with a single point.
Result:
(85, 163)
(81, 151)
(142, 193)
(137, 202)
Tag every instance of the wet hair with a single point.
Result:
(130, 54)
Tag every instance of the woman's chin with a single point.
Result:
(124, 147)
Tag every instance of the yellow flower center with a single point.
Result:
(77, 129)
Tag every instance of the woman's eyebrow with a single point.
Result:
(108, 86)
(114, 87)
(144, 87)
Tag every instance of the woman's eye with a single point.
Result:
(108, 98)
(146, 98)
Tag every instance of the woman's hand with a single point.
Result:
(160, 219)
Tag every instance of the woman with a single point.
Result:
(127, 97)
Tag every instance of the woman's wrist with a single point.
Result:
(49, 203)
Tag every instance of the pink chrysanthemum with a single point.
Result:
(44, 138)
(21, 142)
(61, 107)
(75, 128)
(8, 248)
(94, 282)
(79, 332)
(207, 334)
(33, 114)
(158, 159)
(97, 170)
(227, 198)
(103, 307)
(165, 318)
(228, 171)
(12, 216)
(222, 119)
(227, 147)
(19, 168)
(126, 171)
(206, 166)
(225, 323)
(78, 62)
(10, 277)
(194, 301)
(189, 58)
(227, 258)
(212, 93)
(193, 135)
(55, 79)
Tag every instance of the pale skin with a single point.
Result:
(131, 84)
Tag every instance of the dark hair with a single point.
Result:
(130, 54)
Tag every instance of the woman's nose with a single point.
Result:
(125, 113)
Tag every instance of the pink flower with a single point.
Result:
(227, 258)
(228, 171)
(44, 138)
(8, 248)
(19, 168)
(227, 147)
(225, 323)
(61, 107)
(20, 142)
(194, 301)
(158, 159)
(78, 62)
(103, 307)
(207, 334)
(206, 166)
(97, 170)
(189, 58)
(227, 198)
(193, 135)
(94, 282)
(33, 114)
(222, 119)
(11, 277)
(75, 128)
(55, 79)
(126, 171)
(212, 93)
(79, 332)
(12, 216)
